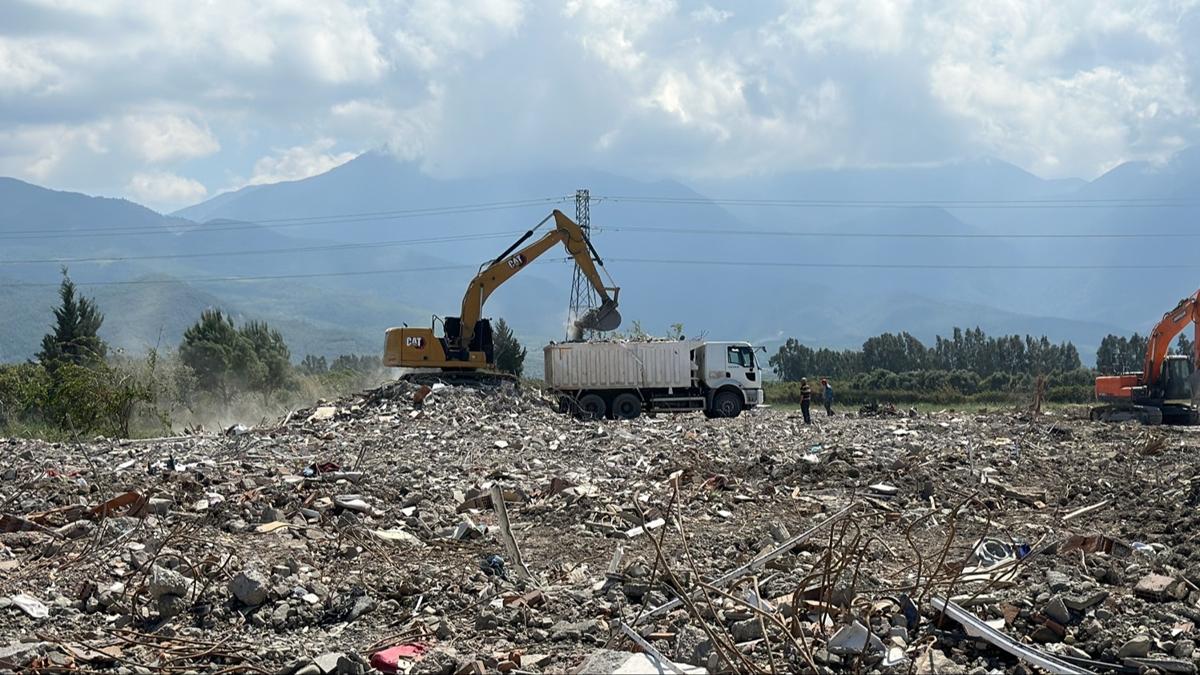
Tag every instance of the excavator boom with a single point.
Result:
(466, 343)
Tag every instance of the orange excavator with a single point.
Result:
(1162, 393)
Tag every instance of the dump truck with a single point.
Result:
(621, 380)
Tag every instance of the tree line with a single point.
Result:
(965, 350)
(1118, 354)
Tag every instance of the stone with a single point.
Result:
(1162, 665)
(21, 653)
(1045, 635)
(165, 581)
(171, 605)
(934, 662)
(747, 630)
(1083, 601)
(249, 586)
(1056, 609)
(1136, 648)
(625, 663)
(336, 663)
(1161, 587)
(1057, 581)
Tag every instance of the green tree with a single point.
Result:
(314, 365)
(218, 354)
(271, 368)
(897, 353)
(1118, 354)
(793, 361)
(510, 355)
(74, 339)
(356, 363)
(1185, 346)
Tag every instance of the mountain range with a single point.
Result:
(827, 256)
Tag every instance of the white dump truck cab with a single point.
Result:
(624, 379)
(729, 367)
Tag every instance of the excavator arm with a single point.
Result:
(1159, 342)
(508, 264)
(466, 341)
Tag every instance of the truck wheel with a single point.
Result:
(626, 407)
(592, 407)
(726, 404)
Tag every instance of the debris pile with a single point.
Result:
(434, 529)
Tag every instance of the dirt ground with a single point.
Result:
(367, 523)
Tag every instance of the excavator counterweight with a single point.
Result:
(466, 341)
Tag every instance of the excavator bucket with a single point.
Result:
(604, 317)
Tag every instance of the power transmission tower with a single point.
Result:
(583, 296)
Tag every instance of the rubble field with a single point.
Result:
(462, 530)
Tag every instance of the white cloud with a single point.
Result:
(1064, 90)
(710, 14)
(611, 28)
(163, 189)
(431, 32)
(298, 162)
(23, 69)
(877, 26)
(160, 138)
(93, 92)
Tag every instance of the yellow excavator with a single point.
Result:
(465, 347)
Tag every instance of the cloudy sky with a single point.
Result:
(171, 101)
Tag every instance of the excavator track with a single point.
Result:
(1147, 415)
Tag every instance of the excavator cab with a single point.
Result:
(1177, 378)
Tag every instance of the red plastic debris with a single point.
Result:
(388, 660)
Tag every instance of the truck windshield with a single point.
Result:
(741, 356)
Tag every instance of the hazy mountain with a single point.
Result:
(376, 242)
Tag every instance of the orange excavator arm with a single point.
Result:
(1159, 343)
(507, 264)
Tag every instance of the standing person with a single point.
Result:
(827, 395)
(805, 399)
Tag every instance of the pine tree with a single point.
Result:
(1185, 346)
(274, 366)
(75, 339)
(510, 355)
(216, 353)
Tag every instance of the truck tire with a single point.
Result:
(592, 407)
(626, 406)
(726, 404)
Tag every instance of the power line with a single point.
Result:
(892, 266)
(635, 261)
(191, 280)
(236, 225)
(1064, 203)
(640, 229)
(907, 235)
(298, 249)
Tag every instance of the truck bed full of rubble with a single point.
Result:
(477, 530)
